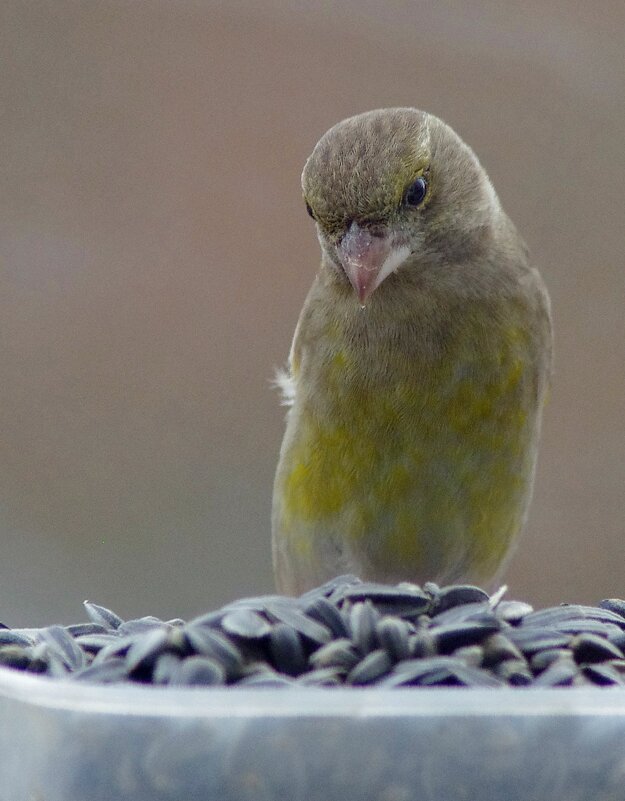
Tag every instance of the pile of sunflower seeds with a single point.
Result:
(346, 632)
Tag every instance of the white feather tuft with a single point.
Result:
(285, 382)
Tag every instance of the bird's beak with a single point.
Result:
(368, 259)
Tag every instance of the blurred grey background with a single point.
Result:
(155, 254)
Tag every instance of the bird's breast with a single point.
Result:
(384, 442)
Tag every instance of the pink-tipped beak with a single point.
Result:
(363, 256)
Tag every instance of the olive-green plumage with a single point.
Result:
(419, 366)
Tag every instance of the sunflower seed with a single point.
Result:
(603, 674)
(55, 665)
(403, 600)
(615, 605)
(374, 665)
(64, 646)
(472, 655)
(559, 615)
(497, 596)
(514, 671)
(471, 676)
(323, 677)
(102, 615)
(166, 667)
(542, 659)
(422, 644)
(8, 637)
(590, 648)
(315, 632)
(118, 647)
(208, 619)
(588, 627)
(560, 673)
(259, 603)
(83, 629)
(142, 625)
(144, 651)
(530, 639)
(207, 642)
(497, 648)
(113, 670)
(448, 638)
(513, 611)
(14, 656)
(286, 649)
(392, 634)
(92, 643)
(325, 612)
(457, 594)
(416, 671)
(340, 653)
(618, 640)
(363, 620)
(246, 623)
(199, 670)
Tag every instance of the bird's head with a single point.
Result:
(392, 189)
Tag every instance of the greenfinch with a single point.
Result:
(418, 369)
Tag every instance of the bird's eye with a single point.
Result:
(416, 192)
(311, 213)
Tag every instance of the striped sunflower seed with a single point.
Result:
(515, 672)
(322, 677)
(392, 633)
(198, 671)
(615, 605)
(325, 612)
(246, 623)
(286, 650)
(64, 646)
(457, 594)
(166, 667)
(371, 668)
(471, 655)
(14, 656)
(448, 638)
(513, 611)
(542, 659)
(339, 653)
(315, 632)
(497, 647)
(529, 639)
(102, 615)
(603, 674)
(8, 637)
(109, 672)
(416, 671)
(560, 673)
(363, 619)
(83, 629)
(207, 642)
(591, 648)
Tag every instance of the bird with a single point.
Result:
(419, 368)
